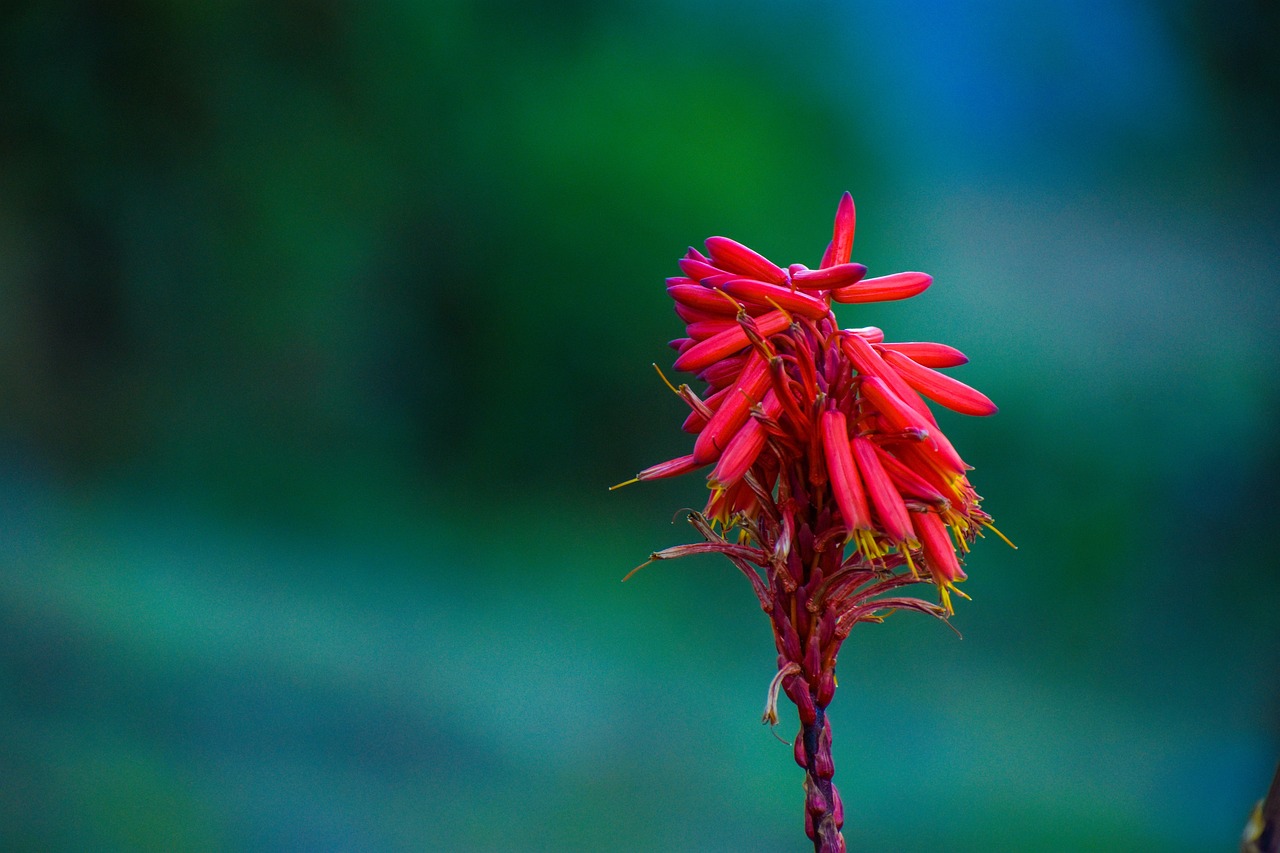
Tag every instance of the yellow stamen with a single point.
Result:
(666, 381)
(1001, 535)
(627, 483)
(906, 552)
(867, 545)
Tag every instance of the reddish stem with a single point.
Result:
(824, 813)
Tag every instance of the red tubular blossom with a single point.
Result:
(703, 329)
(671, 468)
(888, 503)
(744, 447)
(698, 269)
(843, 472)
(697, 315)
(732, 256)
(869, 363)
(928, 354)
(733, 411)
(939, 553)
(755, 292)
(870, 334)
(840, 275)
(723, 372)
(841, 245)
(900, 415)
(695, 422)
(701, 298)
(940, 388)
(705, 353)
(902, 285)
(908, 483)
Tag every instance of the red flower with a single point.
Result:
(833, 485)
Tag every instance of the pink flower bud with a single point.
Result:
(672, 468)
(704, 329)
(698, 269)
(732, 256)
(828, 278)
(705, 353)
(734, 410)
(886, 288)
(890, 407)
(939, 553)
(870, 334)
(845, 482)
(826, 687)
(841, 245)
(696, 315)
(755, 292)
(744, 447)
(888, 503)
(926, 353)
(943, 389)
(701, 298)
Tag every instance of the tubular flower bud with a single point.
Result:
(723, 372)
(827, 278)
(908, 483)
(900, 416)
(703, 329)
(902, 285)
(831, 481)
(754, 292)
(887, 500)
(729, 342)
(928, 354)
(940, 388)
(733, 411)
(701, 298)
(698, 269)
(732, 256)
(673, 468)
(939, 554)
(843, 472)
(697, 315)
(841, 245)
(868, 362)
(745, 446)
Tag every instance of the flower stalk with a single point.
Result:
(831, 484)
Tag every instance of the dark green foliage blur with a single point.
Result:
(325, 325)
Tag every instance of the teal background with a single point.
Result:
(325, 325)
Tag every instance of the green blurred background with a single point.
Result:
(326, 324)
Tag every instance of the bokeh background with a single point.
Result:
(325, 325)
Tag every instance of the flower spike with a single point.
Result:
(831, 484)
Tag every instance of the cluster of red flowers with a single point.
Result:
(796, 405)
(827, 464)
